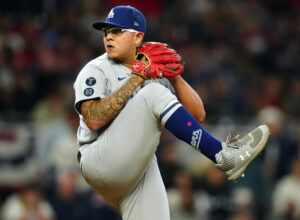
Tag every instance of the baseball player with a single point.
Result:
(124, 99)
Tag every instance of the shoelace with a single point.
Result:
(232, 143)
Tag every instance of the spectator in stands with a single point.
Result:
(282, 146)
(286, 196)
(27, 205)
(68, 203)
(168, 164)
(185, 203)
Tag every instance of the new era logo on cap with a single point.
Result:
(123, 16)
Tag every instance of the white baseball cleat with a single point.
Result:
(236, 155)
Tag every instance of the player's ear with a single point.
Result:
(139, 38)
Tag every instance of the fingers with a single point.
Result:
(168, 58)
(151, 46)
(172, 69)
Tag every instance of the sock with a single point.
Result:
(185, 127)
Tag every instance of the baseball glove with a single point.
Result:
(155, 60)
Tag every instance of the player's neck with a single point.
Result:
(128, 63)
(127, 60)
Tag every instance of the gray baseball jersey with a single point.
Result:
(99, 78)
(119, 161)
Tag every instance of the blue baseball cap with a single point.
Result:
(123, 16)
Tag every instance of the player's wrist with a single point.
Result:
(174, 79)
(138, 78)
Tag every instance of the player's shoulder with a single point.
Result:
(100, 62)
(97, 66)
(94, 68)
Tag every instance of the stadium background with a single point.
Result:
(242, 57)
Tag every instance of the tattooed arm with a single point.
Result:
(98, 113)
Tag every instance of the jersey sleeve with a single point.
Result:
(90, 84)
(166, 83)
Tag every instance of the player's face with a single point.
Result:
(120, 44)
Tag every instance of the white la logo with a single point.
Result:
(111, 14)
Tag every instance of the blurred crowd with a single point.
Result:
(241, 56)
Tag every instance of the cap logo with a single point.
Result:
(135, 23)
(111, 14)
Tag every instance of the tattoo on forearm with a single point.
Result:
(105, 110)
